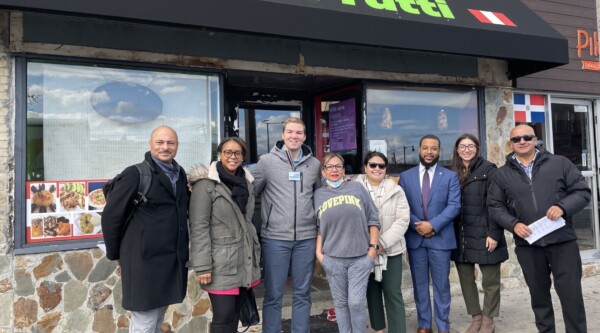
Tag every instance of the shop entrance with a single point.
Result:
(258, 103)
(573, 137)
(261, 126)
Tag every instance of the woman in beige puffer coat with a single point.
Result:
(394, 217)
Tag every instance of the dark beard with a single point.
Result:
(429, 165)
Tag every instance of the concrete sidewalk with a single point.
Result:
(515, 312)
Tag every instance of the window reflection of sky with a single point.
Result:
(273, 119)
(126, 102)
(60, 99)
(67, 92)
(416, 113)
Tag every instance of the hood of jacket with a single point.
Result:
(279, 150)
(200, 172)
(390, 187)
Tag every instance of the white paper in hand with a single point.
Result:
(542, 227)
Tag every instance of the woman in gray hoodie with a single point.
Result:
(225, 252)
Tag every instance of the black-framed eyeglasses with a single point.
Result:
(229, 153)
(466, 147)
(517, 139)
(330, 167)
(381, 166)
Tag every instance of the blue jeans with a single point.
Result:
(278, 257)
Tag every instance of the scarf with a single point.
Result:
(236, 184)
(171, 171)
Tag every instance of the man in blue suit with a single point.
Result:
(433, 194)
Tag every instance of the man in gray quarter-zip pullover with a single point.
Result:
(287, 177)
(531, 185)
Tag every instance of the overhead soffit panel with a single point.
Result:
(504, 29)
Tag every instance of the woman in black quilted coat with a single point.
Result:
(479, 240)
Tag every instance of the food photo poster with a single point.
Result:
(64, 210)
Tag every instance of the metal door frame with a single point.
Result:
(593, 128)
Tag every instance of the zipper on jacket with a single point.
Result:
(516, 165)
(269, 217)
(295, 207)
(535, 206)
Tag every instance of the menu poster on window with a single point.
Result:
(342, 126)
(64, 210)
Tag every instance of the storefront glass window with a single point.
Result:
(85, 124)
(398, 118)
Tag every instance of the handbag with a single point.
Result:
(248, 311)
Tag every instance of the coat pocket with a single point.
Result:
(225, 259)
(257, 250)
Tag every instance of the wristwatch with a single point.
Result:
(375, 246)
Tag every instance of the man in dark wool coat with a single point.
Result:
(152, 248)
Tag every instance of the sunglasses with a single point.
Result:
(381, 166)
(517, 139)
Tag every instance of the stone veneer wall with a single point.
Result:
(6, 181)
(80, 291)
(71, 291)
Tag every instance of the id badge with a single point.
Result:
(294, 176)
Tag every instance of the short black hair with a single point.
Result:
(372, 154)
(237, 140)
(430, 136)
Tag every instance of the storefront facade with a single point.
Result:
(83, 86)
(565, 101)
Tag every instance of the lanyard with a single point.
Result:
(291, 159)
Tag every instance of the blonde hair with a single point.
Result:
(293, 120)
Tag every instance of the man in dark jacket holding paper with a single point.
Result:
(152, 248)
(531, 185)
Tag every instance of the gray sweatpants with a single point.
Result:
(147, 321)
(348, 279)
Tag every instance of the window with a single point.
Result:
(398, 117)
(261, 128)
(86, 123)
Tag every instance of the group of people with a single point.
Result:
(357, 229)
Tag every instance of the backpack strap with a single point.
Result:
(145, 170)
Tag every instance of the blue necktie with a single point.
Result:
(425, 192)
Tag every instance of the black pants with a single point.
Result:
(563, 261)
(226, 313)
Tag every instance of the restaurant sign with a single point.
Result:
(481, 28)
(588, 43)
(437, 8)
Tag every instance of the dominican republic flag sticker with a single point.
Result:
(485, 16)
(529, 108)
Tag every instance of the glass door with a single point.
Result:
(261, 127)
(573, 137)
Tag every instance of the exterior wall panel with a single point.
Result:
(567, 18)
